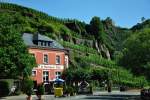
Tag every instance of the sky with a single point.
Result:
(124, 13)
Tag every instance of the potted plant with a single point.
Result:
(28, 88)
(40, 91)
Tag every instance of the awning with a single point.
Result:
(58, 80)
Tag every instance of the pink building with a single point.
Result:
(51, 57)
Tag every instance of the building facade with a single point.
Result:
(51, 57)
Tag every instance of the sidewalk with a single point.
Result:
(116, 93)
(44, 97)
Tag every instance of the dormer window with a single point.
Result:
(41, 43)
(49, 44)
(45, 43)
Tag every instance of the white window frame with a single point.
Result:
(57, 74)
(58, 63)
(44, 58)
(41, 43)
(45, 43)
(44, 76)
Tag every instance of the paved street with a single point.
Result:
(115, 95)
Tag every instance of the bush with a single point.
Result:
(40, 89)
(28, 86)
(4, 88)
(70, 90)
(17, 92)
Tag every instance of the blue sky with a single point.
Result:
(125, 13)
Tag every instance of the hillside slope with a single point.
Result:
(86, 50)
(73, 31)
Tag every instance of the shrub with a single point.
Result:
(4, 88)
(28, 86)
(40, 89)
(17, 92)
(70, 90)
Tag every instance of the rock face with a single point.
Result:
(86, 42)
(105, 50)
(97, 47)
(102, 49)
(65, 38)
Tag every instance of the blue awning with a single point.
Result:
(58, 80)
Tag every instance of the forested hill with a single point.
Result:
(73, 31)
(141, 26)
(96, 44)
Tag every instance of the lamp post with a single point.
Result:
(109, 82)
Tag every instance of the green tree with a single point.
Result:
(136, 54)
(97, 29)
(76, 75)
(14, 58)
(143, 19)
(109, 21)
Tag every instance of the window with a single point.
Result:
(57, 59)
(45, 43)
(49, 44)
(33, 73)
(58, 74)
(45, 76)
(45, 58)
(41, 43)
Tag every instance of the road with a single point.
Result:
(96, 96)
